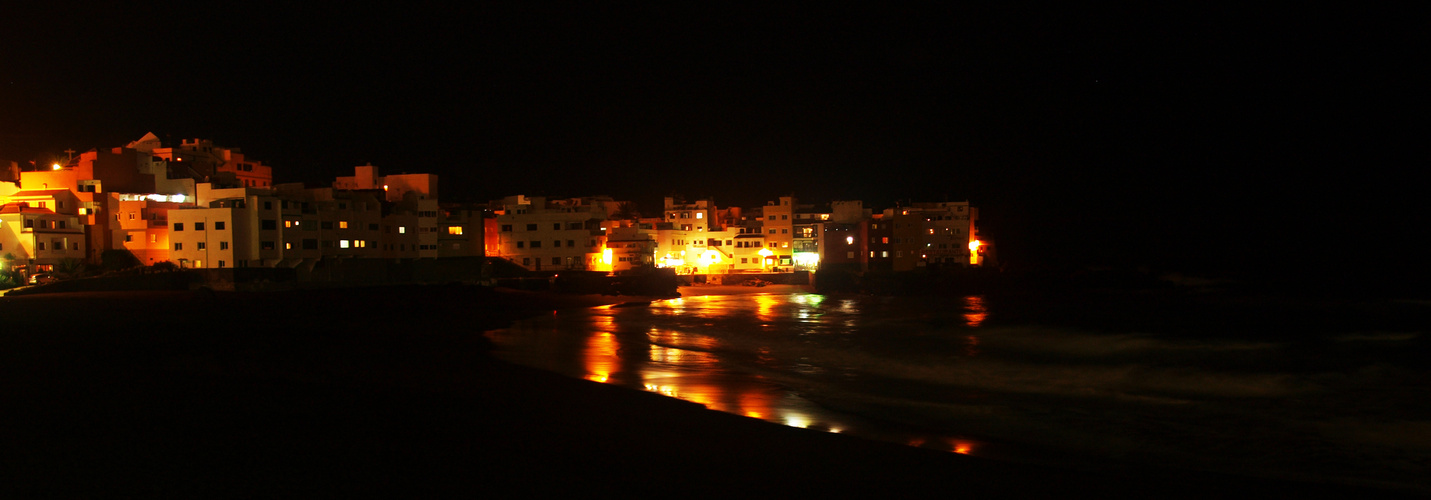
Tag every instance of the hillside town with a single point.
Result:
(196, 205)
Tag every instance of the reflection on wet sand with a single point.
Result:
(667, 348)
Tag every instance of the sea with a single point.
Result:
(1324, 390)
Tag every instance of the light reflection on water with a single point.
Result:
(728, 353)
(948, 374)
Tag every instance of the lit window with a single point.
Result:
(288, 223)
(342, 243)
(402, 229)
(288, 246)
(456, 230)
(342, 224)
(700, 215)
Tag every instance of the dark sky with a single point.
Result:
(1183, 139)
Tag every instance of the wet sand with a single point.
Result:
(391, 390)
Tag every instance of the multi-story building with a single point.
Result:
(459, 231)
(39, 238)
(201, 160)
(541, 234)
(936, 234)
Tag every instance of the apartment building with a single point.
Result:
(938, 234)
(541, 234)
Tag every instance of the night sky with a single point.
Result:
(1231, 141)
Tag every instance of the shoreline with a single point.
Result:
(361, 391)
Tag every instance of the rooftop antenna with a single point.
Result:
(71, 153)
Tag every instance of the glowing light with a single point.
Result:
(797, 421)
(974, 252)
(974, 245)
(55, 166)
(178, 198)
(807, 259)
(606, 256)
(765, 252)
(849, 240)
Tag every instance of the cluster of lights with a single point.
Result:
(157, 198)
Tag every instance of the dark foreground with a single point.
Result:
(391, 390)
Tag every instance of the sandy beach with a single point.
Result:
(392, 390)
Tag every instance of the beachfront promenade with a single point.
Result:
(392, 390)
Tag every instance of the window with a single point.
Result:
(62, 224)
(327, 224)
(526, 261)
(219, 225)
(178, 226)
(744, 260)
(221, 263)
(871, 253)
(40, 245)
(784, 217)
(131, 215)
(884, 240)
(373, 227)
(288, 223)
(153, 238)
(342, 243)
(287, 245)
(177, 246)
(506, 228)
(849, 255)
(198, 226)
(201, 245)
(784, 231)
(556, 261)
(700, 215)
(556, 243)
(268, 205)
(536, 244)
(883, 253)
(223, 245)
(342, 224)
(402, 229)
(531, 227)
(128, 238)
(521, 244)
(454, 230)
(310, 243)
(269, 224)
(571, 243)
(556, 226)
